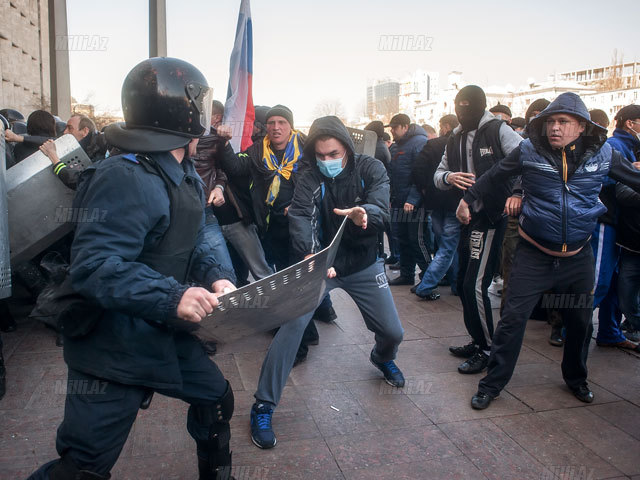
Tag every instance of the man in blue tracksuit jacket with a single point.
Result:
(563, 164)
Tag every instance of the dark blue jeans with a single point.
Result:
(629, 287)
(446, 229)
(213, 236)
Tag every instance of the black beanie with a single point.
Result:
(280, 111)
(536, 106)
(469, 115)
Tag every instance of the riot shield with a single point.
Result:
(272, 301)
(40, 210)
(5, 259)
(364, 141)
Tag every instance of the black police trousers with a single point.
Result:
(99, 414)
(533, 273)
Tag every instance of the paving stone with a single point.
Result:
(330, 364)
(388, 407)
(623, 415)
(347, 415)
(553, 447)
(607, 441)
(307, 459)
(439, 469)
(492, 451)
(373, 449)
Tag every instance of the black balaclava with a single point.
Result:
(469, 115)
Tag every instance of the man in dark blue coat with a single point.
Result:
(563, 164)
(407, 219)
(145, 273)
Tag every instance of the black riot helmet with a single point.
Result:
(12, 115)
(166, 102)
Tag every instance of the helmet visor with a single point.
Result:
(201, 97)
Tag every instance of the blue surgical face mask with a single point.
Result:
(330, 168)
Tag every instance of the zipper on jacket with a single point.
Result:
(564, 199)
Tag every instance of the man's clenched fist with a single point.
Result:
(196, 303)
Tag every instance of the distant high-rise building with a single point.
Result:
(371, 104)
(386, 95)
(418, 88)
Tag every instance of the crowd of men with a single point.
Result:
(542, 209)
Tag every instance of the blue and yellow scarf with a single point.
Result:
(289, 164)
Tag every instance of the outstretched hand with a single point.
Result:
(358, 215)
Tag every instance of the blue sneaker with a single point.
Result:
(392, 374)
(261, 432)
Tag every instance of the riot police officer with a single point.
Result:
(135, 269)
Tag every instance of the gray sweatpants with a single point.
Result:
(369, 290)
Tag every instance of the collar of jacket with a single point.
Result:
(174, 170)
(626, 137)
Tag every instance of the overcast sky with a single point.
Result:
(307, 52)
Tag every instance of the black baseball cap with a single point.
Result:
(399, 119)
(630, 112)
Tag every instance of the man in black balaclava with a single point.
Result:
(478, 143)
(471, 103)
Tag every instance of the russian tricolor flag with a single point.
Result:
(238, 111)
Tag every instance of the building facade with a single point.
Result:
(24, 55)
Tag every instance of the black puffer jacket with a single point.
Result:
(424, 168)
(628, 230)
(363, 182)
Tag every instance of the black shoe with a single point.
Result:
(392, 374)
(261, 431)
(475, 364)
(210, 347)
(430, 297)
(583, 394)
(444, 282)
(632, 335)
(414, 288)
(390, 260)
(481, 400)
(326, 315)
(299, 360)
(465, 351)
(556, 337)
(400, 280)
(59, 339)
(395, 266)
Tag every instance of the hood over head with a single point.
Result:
(571, 104)
(332, 126)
